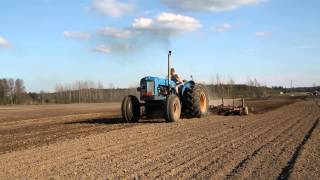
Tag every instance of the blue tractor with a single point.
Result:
(162, 97)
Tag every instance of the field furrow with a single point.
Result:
(274, 144)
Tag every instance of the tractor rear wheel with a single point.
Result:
(196, 101)
(172, 108)
(130, 109)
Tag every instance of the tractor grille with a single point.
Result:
(147, 88)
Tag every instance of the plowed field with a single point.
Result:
(91, 142)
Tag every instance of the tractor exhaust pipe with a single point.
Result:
(169, 67)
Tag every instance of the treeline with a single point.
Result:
(239, 91)
(297, 89)
(82, 92)
(13, 91)
(220, 87)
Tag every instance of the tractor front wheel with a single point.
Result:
(172, 108)
(130, 109)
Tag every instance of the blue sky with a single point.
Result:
(46, 42)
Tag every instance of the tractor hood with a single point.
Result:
(157, 80)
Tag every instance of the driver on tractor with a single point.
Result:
(176, 78)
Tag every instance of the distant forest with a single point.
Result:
(13, 91)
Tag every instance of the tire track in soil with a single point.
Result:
(64, 153)
(116, 146)
(279, 159)
(280, 156)
(25, 137)
(50, 136)
(78, 154)
(48, 120)
(203, 164)
(307, 165)
(147, 145)
(273, 159)
(274, 148)
(283, 146)
(150, 163)
(157, 139)
(287, 170)
(132, 146)
(170, 151)
(201, 153)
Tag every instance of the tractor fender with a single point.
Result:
(187, 85)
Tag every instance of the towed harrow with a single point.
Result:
(228, 109)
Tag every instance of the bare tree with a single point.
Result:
(11, 90)
(231, 83)
(19, 91)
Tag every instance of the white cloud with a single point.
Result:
(102, 49)
(4, 43)
(167, 23)
(222, 28)
(263, 34)
(76, 35)
(112, 8)
(142, 33)
(142, 23)
(208, 5)
(106, 49)
(116, 33)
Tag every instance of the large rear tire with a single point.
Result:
(196, 101)
(130, 109)
(172, 108)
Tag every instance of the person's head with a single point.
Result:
(172, 71)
